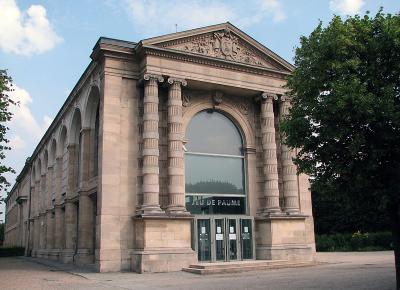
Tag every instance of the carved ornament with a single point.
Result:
(223, 44)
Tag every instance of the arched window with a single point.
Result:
(214, 165)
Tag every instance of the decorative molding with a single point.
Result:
(217, 98)
(222, 44)
(185, 99)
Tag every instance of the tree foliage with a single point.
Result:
(5, 116)
(345, 114)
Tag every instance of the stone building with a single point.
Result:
(167, 152)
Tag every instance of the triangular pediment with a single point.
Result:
(222, 41)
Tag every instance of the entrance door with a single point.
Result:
(224, 239)
(204, 240)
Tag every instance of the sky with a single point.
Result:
(45, 45)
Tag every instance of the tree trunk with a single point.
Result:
(395, 218)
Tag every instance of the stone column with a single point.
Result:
(176, 183)
(72, 169)
(49, 231)
(70, 230)
(36, 235)
(85, 155)
(270, 163)
(49, 206)
(289, 170)
(85, 229)
(43, 193)
(58, 229)
(150, 170)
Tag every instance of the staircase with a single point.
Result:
(242, 266)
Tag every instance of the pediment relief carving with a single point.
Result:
(221, 44)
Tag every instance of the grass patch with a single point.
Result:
(357, 241)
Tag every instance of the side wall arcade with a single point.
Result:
(51, 210)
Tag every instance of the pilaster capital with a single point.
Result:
(250, 150)
(172, 80)
(71, 146)
(285, 98)
(85, 129)
(147, 77)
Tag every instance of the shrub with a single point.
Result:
(357, 241)
(12, 251)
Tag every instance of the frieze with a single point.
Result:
(222, 44)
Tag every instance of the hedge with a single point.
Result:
(12, 251)
(357, 241)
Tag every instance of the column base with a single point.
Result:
(150, 211)
(177, 211)
(53, 254)
(67, 256)
(84, 257)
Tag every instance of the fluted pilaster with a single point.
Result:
(176, 184)
(150, 170)
(289, 170)
(270, 163)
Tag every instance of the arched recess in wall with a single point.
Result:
(52, 162)
(75, 149)
(33, 190)
(92, 120)
(38, 185)
(62, 153)
(45, 197)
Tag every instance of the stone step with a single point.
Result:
(242, 266)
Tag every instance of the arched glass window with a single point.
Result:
(214, 165)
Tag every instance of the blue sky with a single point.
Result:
(45, 45)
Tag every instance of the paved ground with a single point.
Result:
(349, 271)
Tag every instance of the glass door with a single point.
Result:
(204, 240)
(232, 240)
(246, 237)
(220, 240)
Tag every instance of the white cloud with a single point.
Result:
(25, 33)
(17, 143)
(346, 7)
(154, 17)
(23, 123)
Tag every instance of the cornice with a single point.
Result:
(211, 61)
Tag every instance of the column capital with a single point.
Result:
(172, 80)
(266, 96)
(156, 77)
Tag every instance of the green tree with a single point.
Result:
(5, 116)
(345, 114)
